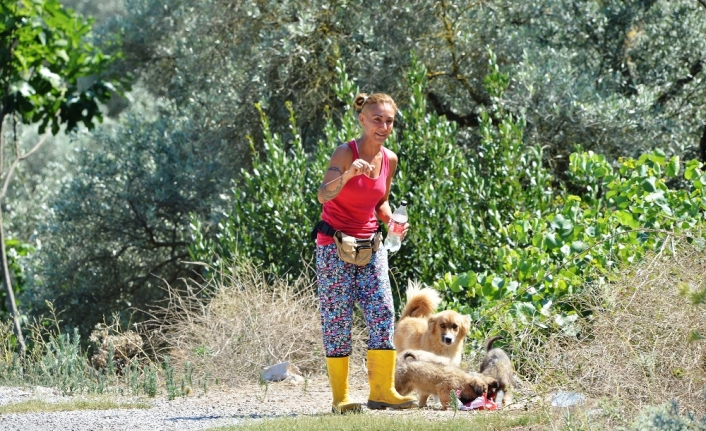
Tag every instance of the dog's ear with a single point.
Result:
(493, 385)
(431, 322)
(465, 324)
(478, 387)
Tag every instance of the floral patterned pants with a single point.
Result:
(341, 285)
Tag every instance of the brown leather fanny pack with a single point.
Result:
(357, 251)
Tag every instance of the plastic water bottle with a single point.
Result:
(395, 228)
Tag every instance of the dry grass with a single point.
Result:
(634, 350)
(232, 326)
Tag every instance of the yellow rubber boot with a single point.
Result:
(381, 376)
(338, 377)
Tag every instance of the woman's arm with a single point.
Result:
(383, 209)
(341, 168)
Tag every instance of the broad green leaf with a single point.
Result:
(455, 285)
(649, 184)
(550, 240)
(673, 167)
(625, 218)
(578, 246)
(526, 308)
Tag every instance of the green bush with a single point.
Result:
(460, 202)
(668, 418)
(623, 213)
(274, 206)
(119, 227)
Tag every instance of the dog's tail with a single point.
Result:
(409, 355)
(491, 340)
(421, 302)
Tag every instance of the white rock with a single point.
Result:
(281, 371)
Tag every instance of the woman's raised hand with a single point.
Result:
(359, 167)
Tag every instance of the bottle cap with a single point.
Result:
(403, 203)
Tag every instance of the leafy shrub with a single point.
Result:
(119, 227)
(459, 203)
(274, 206)
(623, 214)
(668, 417)
(462, 201)
(635, 335)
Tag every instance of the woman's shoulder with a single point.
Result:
(390, 154)
(345, 146)
(343, 153)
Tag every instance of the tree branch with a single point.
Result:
(449, 36)
(17, 160)
(694, 70)
(466, 120)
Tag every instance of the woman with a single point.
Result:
(354, 194)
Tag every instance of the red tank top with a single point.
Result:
(353, 210)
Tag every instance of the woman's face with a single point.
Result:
(377, 121)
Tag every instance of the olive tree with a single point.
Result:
(617, 77)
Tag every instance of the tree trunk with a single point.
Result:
(7, 282)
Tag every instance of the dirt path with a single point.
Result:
(217, 407)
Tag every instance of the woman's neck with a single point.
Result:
(368, 147)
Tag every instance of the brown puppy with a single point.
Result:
(497, 364)
(436, 378)
(419, 328)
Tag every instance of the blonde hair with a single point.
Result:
(363, 99)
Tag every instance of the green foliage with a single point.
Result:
(628, 76)
(458, 211)
(618, 78)
(169, 382)
(56, 359)
(16, 251)
(150, 382)
(118, 229)
(461, 202)
(275, 206)
(624, 213)
(667, 418)
(44, 53)
(64, 364)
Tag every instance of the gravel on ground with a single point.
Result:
(218, 406)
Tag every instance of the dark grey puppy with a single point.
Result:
(497, 365)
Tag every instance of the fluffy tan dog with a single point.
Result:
(420, 328)
(497, 364)
(433, 377)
